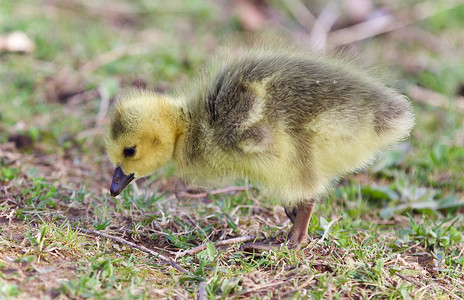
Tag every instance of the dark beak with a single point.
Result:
(120, 181)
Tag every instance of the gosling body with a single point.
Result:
(289, 121)
(291, 124)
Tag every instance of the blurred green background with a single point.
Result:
(63, 63)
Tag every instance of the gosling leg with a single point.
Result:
(299, 232)
(300, 216)
(291, 213)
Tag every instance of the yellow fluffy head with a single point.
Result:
(142, 133)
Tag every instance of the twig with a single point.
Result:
(322, 26)
(104, 104)
(386, 23)
(98, 9)
(301, 286)
(305, 284)
(191, 195)
(90, 132)
(408, 279)
(327, 228)
(423, 95)
(229, 189)
(202, 247)
(133, 245)
(301, 13)
(326, 232)
(460, 253)
(265, 286)
(214, 192)
(202, 294)
(112, 55)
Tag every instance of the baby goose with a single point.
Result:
(288, 120)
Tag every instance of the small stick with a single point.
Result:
(112, 55)
(387, 23)
(104, 104)
(423, 95)
(133, 245)
(191, 195)
(301, 13)
(327, 228)
(301, 286)
(202, 294)
(460, 253)
(324, 235)
(408, 279)
(322, 26)
(265, 286)
(214, 192)
(202, 247)
(230, 189)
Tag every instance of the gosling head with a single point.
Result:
(141, 137)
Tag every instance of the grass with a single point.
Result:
(401, 225)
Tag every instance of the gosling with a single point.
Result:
(290, 121)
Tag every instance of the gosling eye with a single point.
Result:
(129, 152)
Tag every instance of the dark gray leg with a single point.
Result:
(299, 232)
(300, 216)
(291, 213)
